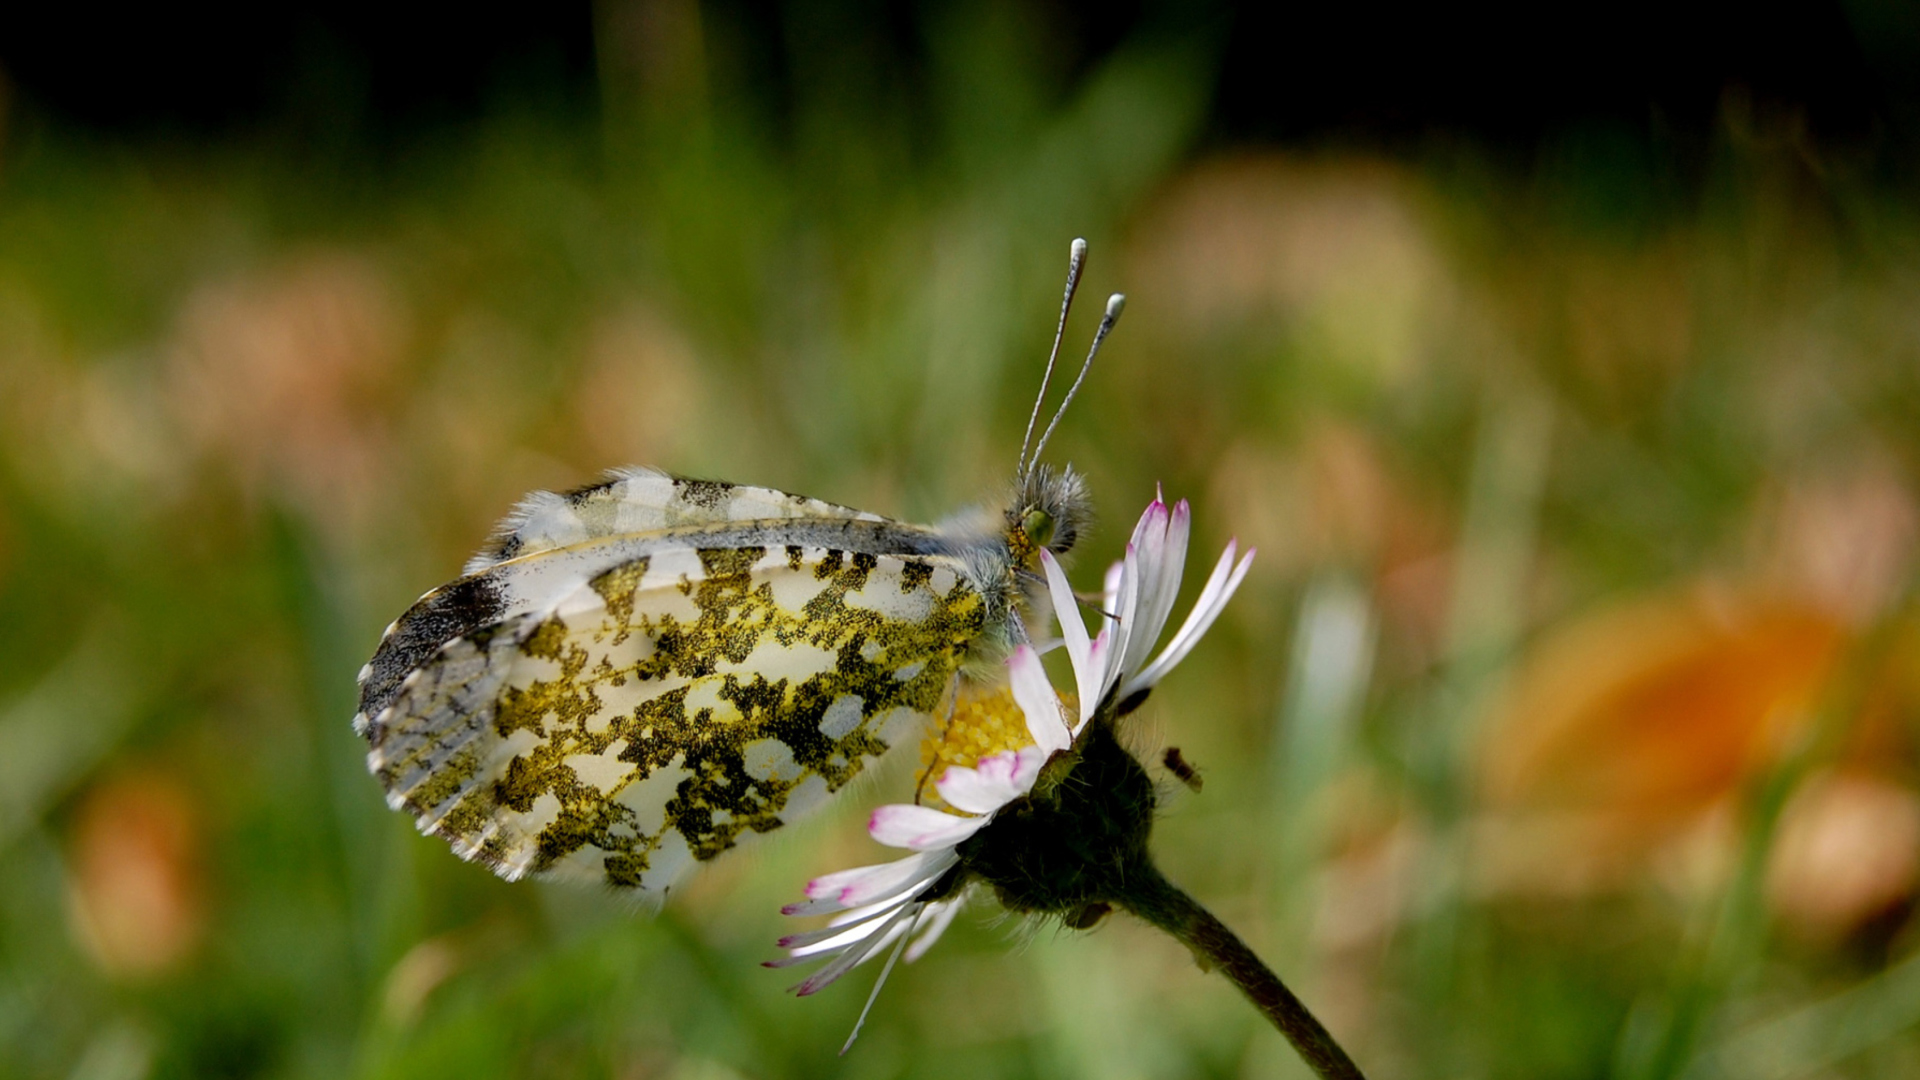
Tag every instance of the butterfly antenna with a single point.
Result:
(1076, 261)
(1115, 304)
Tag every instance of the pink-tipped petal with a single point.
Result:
(1153, 520)
(1034, 694)
(920, 828)
(1160, 587)
(1030, 760)
(999, 768)
(838, 883)
(871, 884)
(984, 789)
(848, 960)
(1143, 561)
(839, 935)
(1201, 615)
(842, 930)
(1220, 588)
(835, 943)
(1149, 540)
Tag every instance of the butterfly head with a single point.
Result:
(1050, 510)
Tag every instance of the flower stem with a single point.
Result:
(1158, 901)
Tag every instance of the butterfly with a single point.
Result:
(640, 674)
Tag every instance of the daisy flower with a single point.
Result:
(886, 904)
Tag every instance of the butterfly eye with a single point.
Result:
(1038, 525)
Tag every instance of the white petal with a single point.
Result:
(1128, 613)
(999, 768)
(871, 884)
(1035, 696)
(1149, 548)
(1110, 588)
(984, 789)
(1031, 759)
(828, 939)
(848, 960)
(845, 922)
(1146, 563)
(1160, 587)
(920, 828)
(1099, 664)
(841, 932)
(1066, 610)
(1213, 600)
(937, 918)
(868, 911)
(1150, 531)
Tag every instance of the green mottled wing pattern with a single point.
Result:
(664, 705)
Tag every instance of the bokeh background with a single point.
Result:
(1564, 367)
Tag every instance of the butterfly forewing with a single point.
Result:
(668, 705)
(551, 543)
(638, 500)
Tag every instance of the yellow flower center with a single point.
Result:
(985, 721)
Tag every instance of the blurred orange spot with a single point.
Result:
(1329, 499)
(280, 374)
(640, 396)
(1848, 849)
(1334, 500)
(137, 899)
(1843, 536)
(1624, 731)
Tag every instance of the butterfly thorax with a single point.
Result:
(1045, 510)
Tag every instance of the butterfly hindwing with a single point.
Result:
(663, 708)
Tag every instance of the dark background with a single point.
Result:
(1396, 74)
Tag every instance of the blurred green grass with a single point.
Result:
(1469, 411)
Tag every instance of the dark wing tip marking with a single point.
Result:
(443, 615)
